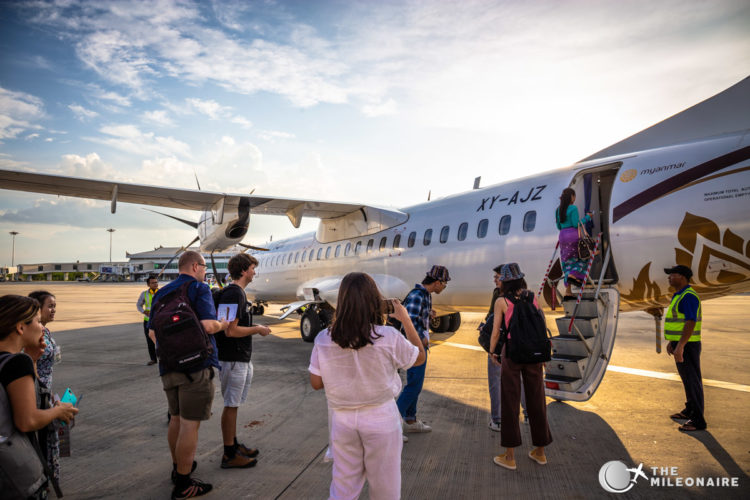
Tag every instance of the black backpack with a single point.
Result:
(528, 340)
(182, 344)
(485, 334)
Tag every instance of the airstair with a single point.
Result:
(586, 335)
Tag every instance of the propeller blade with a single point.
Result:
(179, 251)
(251, 247)
(184, 221)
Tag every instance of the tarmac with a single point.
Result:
(119, 448)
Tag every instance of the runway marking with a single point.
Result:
(630, 371)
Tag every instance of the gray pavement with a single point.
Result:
(119, 445)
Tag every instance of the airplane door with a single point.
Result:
(593, 188)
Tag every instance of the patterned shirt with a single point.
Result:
(49, 357)
(418, 304)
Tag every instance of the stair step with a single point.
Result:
(586, 309)
(562, 383)
(568, 345)
(562, 365)
(588, 327)
(567, 357)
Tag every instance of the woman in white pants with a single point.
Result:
(356, 360)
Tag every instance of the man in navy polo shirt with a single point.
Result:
(189, 395)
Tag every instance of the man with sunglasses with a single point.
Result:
(189, 395)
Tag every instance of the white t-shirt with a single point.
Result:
(363, 377)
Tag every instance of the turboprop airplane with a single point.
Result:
(676, 193)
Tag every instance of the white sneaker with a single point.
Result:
(417, 426)
(494, 426)
(406, 439)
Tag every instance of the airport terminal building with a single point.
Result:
(138, 266)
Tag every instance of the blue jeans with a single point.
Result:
(407, 400)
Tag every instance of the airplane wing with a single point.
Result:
(189, 199)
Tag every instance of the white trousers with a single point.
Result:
(366, 444)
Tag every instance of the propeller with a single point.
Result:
(179, 251)
(184, 221)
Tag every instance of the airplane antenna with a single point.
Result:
(429, 194)
(252, 191)
(476, 182)
(196, 179)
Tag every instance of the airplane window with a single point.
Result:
(320, 252)
(278, 259)
(296, 257)
(396, 241)
(504, 226)
(369, 246)
(382, 243)
(462, 230)
(444, 234)
(482, 228)
(347, 249)
(312, 252)
(357, 247)
(412, 239)
(529, 220)
(427, 237)
(338, 250)
(328, 252)
(304, 254)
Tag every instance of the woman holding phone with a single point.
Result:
(356, 360)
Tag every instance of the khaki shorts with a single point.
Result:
(190, 400)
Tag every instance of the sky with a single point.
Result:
(376, 102)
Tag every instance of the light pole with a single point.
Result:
(110, 231)
(13, 252)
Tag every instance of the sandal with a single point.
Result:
(679, 416)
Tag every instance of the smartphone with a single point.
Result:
(69, 397)
(388, 307)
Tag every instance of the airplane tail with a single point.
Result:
(724, 113)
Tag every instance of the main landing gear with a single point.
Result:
(446, 323)
(314, 319)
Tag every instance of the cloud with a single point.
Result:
(130, 139)
(131, 44)
(210, 108)
(388, 107)
(82, 113)
(274, 135)
(159, 117)
(18, 112)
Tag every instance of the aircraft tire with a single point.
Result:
(258, 310)
(440, 324)
(310, 325)
(454, 322)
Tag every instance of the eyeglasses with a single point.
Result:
(202, 265)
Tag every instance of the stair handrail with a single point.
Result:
(586, 277)
(546, 273)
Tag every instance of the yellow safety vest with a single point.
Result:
(674, 322)
(147, 298)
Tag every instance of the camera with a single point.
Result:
(388, 307)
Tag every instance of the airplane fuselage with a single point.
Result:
(684, 204)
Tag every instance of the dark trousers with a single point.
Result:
(151, 346)
(536, 404)
(690, 373)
